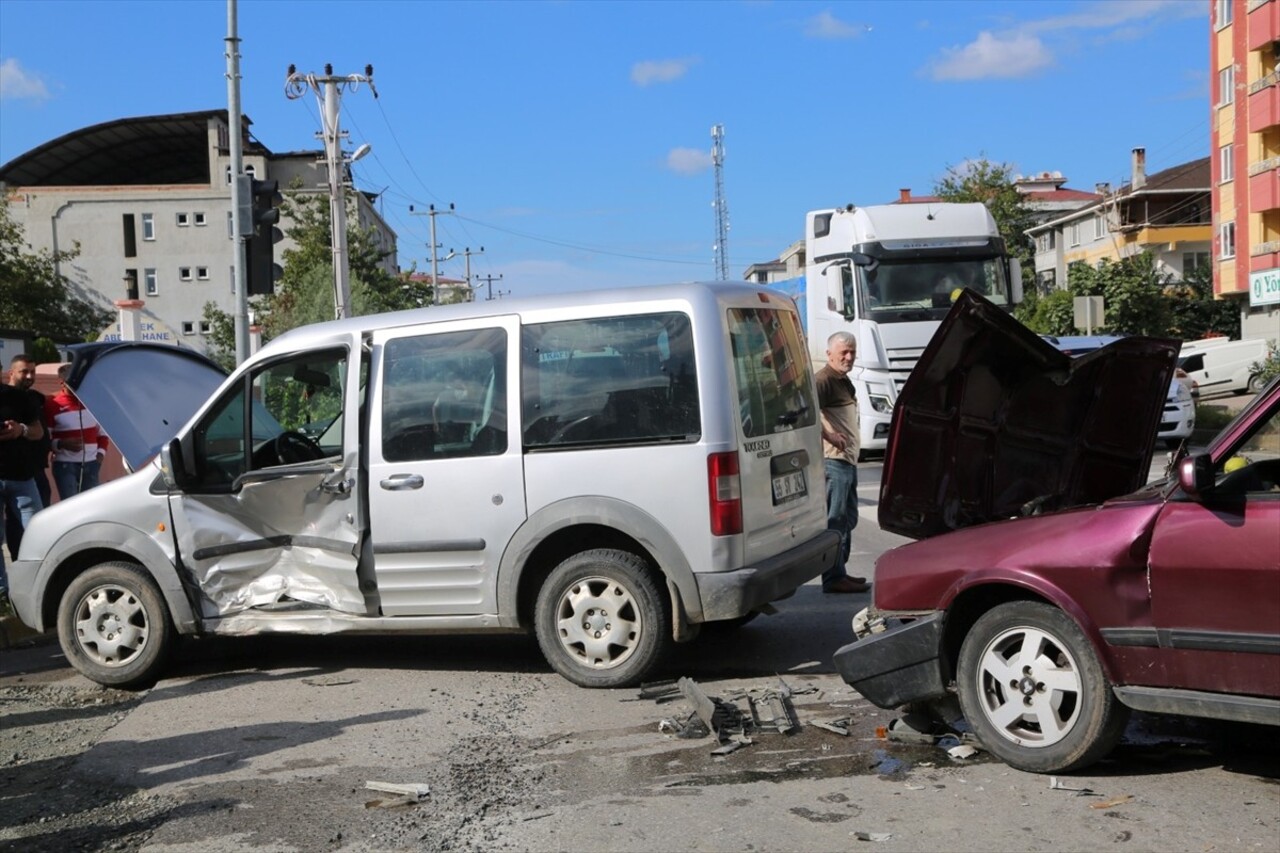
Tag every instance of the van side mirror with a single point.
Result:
(1195, 474)
(175, 467)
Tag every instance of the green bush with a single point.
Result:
(1212, 417)
(1269, 367)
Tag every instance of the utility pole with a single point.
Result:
(467, 253)
(328, 90)
(435, 278)
(721, 206)
(238, 202)
(489, 280)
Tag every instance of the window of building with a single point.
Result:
(202, 273)
(1192, 261)
(1047, 241)
(231, 231)
(184, 219)
(184, 273)
(198, 218)
(1099, 226)
(148, 226)
(151, 281)
(1221, 14)
(1046, 280)
(1227, 240)
(1226, 85)
(1226, 163)
(1075, 234)
(205, 327)
(188, 327)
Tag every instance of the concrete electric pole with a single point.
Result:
(489, 280)
(467, 253)
(235, 133)
(328, 91)
(435, 261)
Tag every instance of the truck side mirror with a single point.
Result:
(1015, 281)
(1195, 474)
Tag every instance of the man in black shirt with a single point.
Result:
(19, 426)
(22, 375)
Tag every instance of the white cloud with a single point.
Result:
(992, 56)
(825, 25)
(653, 71)
(1020, 50)
(688, 161)
(16, 82)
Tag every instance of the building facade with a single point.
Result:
(148, 200)
(1166, 214)
(1244, 55)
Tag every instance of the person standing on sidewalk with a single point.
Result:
(838, 405)
(22, 375)
(79, 444)
(19, 426)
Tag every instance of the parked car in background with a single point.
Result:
(1053, 592)
(607, 470)
(1219, 365)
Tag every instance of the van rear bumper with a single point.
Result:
(728, 595)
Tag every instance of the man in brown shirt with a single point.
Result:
(840, 440)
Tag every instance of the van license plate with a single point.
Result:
(789, 487)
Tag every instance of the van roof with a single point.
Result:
(631, 297)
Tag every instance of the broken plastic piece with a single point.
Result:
(840, 726)
(412, 791)
(902, 732)
(872, 836)
(963, 751)
(1056, 784)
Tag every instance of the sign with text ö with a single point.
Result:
(1264, 287)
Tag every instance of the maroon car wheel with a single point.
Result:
(1034, 692)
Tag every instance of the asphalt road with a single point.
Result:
(267, 744)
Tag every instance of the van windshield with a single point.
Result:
(771, 371)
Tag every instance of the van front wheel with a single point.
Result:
(601, 619)
(114, 627)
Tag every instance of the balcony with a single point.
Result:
(1264, 25)
(1264, 191)
(1264, 256)
(1264, 106)
(1263, 166)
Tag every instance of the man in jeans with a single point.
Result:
(22, 375)
(19, 427)
(79, 444)
(840, 440)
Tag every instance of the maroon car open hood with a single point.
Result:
(995, 422)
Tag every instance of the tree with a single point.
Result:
(1133, 290)
(992, 184)
(34, 296)
(1196, 314)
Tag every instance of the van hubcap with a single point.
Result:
(111, 625)
(598, 622)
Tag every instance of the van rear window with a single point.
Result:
(775, 382)
(609, 381)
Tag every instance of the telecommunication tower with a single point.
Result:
(721, 206)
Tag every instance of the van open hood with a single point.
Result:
(994, 422)
(141, 393)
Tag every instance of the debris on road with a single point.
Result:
(1114, 801)
(417, 792)
(872, 836)
(732, 720)
(1055, 784)
(962, 752)
(838, 726)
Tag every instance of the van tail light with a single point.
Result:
(724, 490)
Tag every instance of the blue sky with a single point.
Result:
(574, 137)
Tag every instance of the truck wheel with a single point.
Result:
(1034, 692)
(601, 619)
(114, 626)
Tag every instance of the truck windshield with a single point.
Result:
(921, 289)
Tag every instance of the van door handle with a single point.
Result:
(400, 482)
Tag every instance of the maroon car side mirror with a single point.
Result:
(1195, 474)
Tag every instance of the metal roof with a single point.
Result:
(163, 149)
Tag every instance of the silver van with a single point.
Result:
(610, 470)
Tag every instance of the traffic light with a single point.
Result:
(260, 229)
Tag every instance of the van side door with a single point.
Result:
(446, 475)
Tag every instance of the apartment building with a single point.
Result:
(1244, 55)
(148, 202)
(1166, 213)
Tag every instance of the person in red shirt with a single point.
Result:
(79, 444)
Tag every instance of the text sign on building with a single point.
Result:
(148, 330)
(1264, 287)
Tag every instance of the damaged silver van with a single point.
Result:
(610, 470)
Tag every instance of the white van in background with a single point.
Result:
(1219, 365)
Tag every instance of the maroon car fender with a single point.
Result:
(1089, 562)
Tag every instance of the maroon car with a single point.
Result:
(1076, 593)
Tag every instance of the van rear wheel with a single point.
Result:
(601, 619)
(114, 626)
